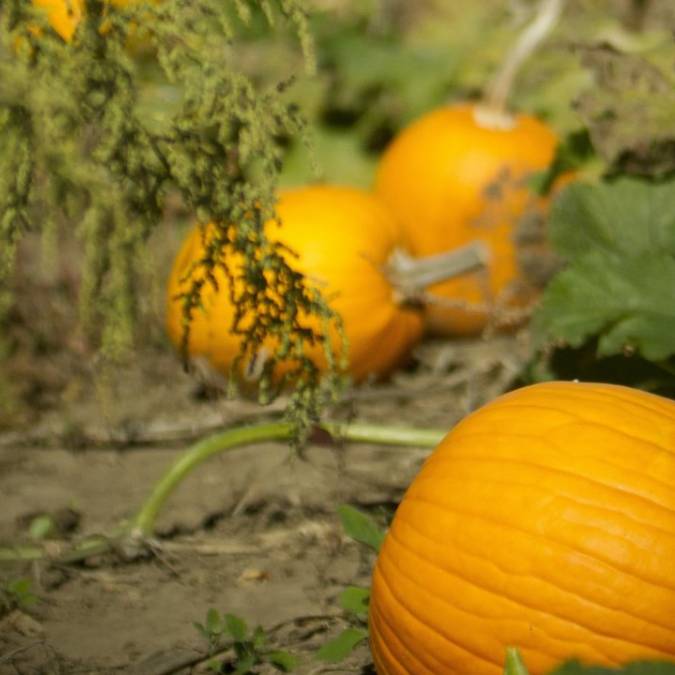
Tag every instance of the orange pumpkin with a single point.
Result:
(65, 15)
(452, 177)
(343, 237)
(546, 521)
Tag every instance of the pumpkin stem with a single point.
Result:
(412, 276)
(492, 113)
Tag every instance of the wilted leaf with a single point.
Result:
(630, 110)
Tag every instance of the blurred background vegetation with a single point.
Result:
(606, 72)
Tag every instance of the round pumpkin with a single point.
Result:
(451, 178)
(343, 238)
(545, 521)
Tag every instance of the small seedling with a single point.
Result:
(17, 594)
(41, 527)
(361, 527)
(353, 600)
(250, 648)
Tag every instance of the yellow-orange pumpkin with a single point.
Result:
(65, 15)
(452, 178)
(343, 237)
(546, 521)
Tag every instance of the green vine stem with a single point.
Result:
(141, 526)
(514, 664)
(493, 111)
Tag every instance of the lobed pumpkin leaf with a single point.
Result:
(619, 242)
(626, 217)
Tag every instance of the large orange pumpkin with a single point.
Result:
(545, 521)
(343, 237)
(452, 177)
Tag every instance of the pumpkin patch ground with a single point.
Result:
(248, 533)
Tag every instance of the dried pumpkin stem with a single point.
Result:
(492, 113)
(141, 527)
(412, 276)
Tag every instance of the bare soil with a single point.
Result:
(253, 532)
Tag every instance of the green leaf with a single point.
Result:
(245, 664)
(360, 527)
(236, 627)
(342, 646)
(259, 638)
(627, 217)
(354, 599)
(41, 527)
(214, 623)
(573, 152)
(513, 664)
(619, 241)
(21, 592)
(282, 660)
(637, 668)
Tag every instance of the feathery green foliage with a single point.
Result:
(77, 147)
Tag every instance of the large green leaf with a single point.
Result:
(628, 217)
(619, 284)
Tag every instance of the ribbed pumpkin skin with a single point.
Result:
(343, 238)
(451, 181)
(546, 521)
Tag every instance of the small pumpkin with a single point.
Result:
(454, 176)
(343, 238)
(545, 520)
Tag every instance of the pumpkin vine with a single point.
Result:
(79, 146)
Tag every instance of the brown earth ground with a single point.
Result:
(253, 532)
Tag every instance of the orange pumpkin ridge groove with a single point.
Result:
(546, 521)
(525, 576)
